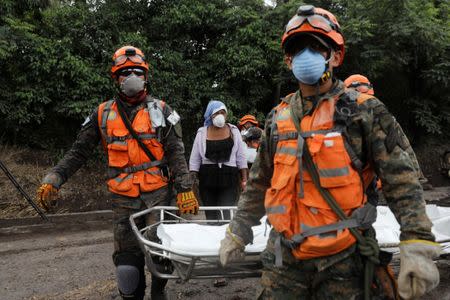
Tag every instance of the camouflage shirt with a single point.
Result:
(90, 135)
(376, 138)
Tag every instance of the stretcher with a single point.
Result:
(192, 245)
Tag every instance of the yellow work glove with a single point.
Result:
(418, 273)
(187, 203)
(46, 196)
(231, 248)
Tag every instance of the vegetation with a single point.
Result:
(55, 58)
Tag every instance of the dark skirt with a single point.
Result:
(213, 176)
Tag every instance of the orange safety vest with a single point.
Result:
(130, 170)
(293, 203)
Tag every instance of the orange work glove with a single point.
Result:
(46, 196)
(187, 203)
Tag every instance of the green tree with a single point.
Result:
(55, 58)
(403, 47)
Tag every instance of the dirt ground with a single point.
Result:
(76, 265)
(75, 262)
(48, 264)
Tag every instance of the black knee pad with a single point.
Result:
(130, 275)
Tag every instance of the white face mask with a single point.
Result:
(219, 121)
(132, 85)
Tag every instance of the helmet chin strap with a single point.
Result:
(324, 78)
(327, 74)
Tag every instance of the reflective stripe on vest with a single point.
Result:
(334, 172)
(280, 209)
(287, 150)
(121, 179)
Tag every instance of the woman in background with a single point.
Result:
(218, 160)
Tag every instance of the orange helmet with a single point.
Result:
(317, 21)
(128, 57)
(248, 118)
(360, 83)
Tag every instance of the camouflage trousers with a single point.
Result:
(301, 280)
(125, 242)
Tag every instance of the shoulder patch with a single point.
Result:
(283, 114)
(112, 115)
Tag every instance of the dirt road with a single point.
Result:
(62, 262)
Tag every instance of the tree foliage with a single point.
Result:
(55, 58)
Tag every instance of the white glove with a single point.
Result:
(418, 273)
(231, 248)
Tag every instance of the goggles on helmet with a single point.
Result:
(137, 59)
(128, 72)
(361, 87)
(306, 13)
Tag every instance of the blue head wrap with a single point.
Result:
(213, 107)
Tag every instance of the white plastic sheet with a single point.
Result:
(388, 229)
(205, 239)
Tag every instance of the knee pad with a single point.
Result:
(128, 278)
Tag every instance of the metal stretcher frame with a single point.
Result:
(195, 266)
(191, 265)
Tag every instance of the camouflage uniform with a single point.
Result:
(125, 242)
(375, 137)
(422, 179)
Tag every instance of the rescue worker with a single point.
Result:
(247, 122)
(315, 146)
(252, 139)
(141, 136)
(361, 84)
